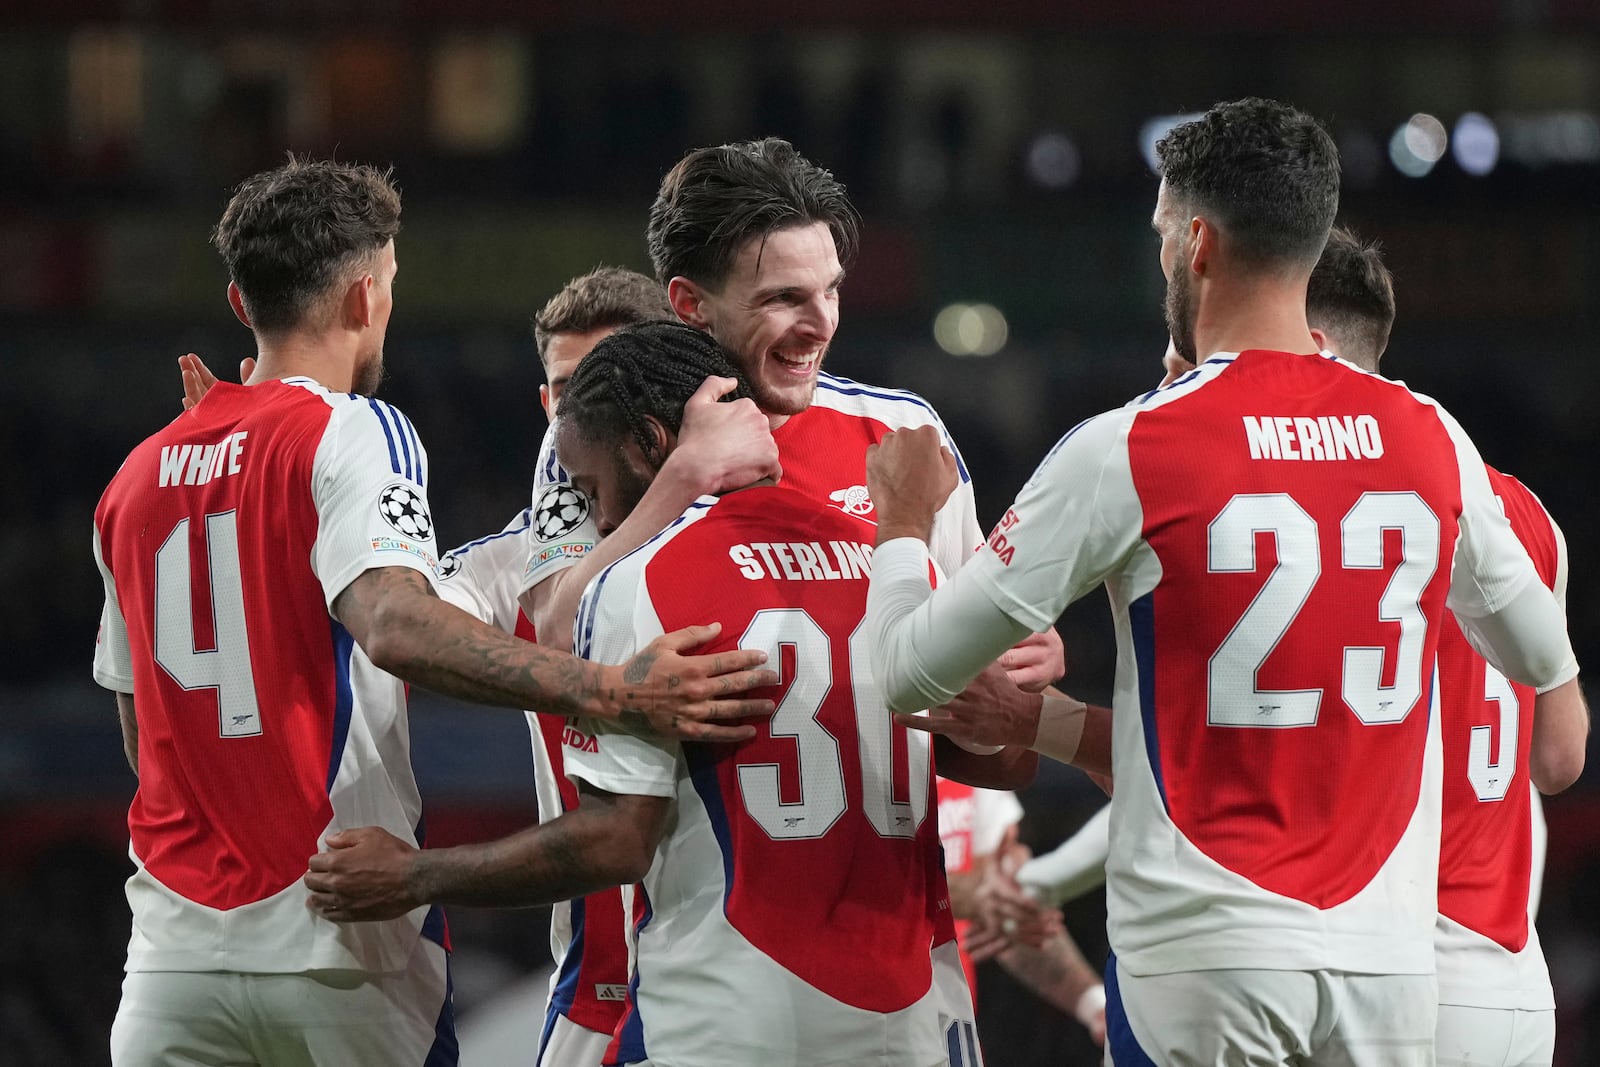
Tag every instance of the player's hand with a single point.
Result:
(363, 875)
(1006, 908)
(1173, 364)
(198, 379)
(663, 693)
(989, 713)
(1035, 662)
(910, 474)
(725, 446)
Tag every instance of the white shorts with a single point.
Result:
(1495, 1037)
(566, 1044)
(1268, 1018)
(310, 1019)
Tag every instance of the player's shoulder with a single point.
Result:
(894, 407)
(619, 584)
(508, 547)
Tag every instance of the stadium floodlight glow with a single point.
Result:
(1157, 128)
(1426, 137)
(1417, 145)
(1475, 144)
(1053, 161)
(970, 329)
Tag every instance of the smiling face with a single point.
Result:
(777, 312)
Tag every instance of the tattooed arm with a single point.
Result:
(405, 629)
(609, 840)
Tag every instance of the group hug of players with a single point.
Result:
(739, 587)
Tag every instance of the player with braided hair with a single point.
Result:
(809, 880)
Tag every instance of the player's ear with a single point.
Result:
(1321, 339)
(358, 301)
(236, 301)
(688, 302)
(544, 402)
(663, 441)
(1203, 244)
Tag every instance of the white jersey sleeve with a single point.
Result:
(956, 533)
(482, 577)
(113, 660)
(562, 529)
(615, 619)
(1075, 866)
(1075, 520)
(369, 484)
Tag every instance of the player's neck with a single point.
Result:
(1253, 314)
(305, 355)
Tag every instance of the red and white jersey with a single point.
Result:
(1279, 538)
(972, 823)
(588, 935)
(796, 906)
(223, 541)
(824, 455)
(1488, 947)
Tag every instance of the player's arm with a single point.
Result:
(1074, 867)
(721, 446)
(928, 645)
(1560, 715)
(405, 629)
(1057, 974)
(369, 874)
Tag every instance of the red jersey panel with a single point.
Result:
(1486, 847)
(1261, 671)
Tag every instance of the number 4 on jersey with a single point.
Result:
(225, 668)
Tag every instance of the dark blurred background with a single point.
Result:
(999, 152)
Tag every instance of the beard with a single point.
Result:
(1181, 316)
(369, 375)
(632, 483)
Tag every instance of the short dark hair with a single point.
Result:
(1267, 172)
(606, 296)
(716, 199)
(648, 369)
(1351, 297)
(291, 234)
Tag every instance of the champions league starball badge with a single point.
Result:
(401, 507)
(561, 509)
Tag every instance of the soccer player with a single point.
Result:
(267, 557)
(1496, 1007)
(752, 240)
(793, 899)
(1280, 535)
(486, 576)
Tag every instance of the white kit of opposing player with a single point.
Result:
(1073, 867)
(796, 906)
(1279, 535)
(588, 935)
(223, 541)
(1496, 1007)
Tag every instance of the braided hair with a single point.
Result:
(648, 369)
